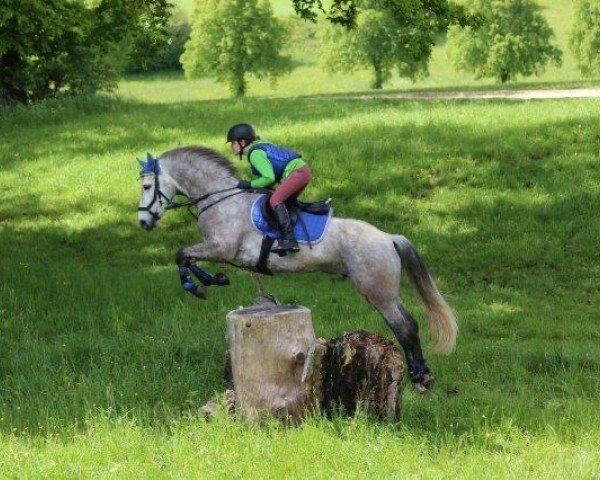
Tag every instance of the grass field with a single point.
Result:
(105, 361)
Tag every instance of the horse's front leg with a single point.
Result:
(186, 262)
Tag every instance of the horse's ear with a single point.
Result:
(141, 162)
(149, 157)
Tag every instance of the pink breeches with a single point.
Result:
(292, 186)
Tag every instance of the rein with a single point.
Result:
(194, 201)
(190, 203)
(173, 205)
(204, 197)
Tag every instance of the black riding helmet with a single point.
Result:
(241, 131)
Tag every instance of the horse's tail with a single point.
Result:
(442, 322)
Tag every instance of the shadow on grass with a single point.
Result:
(94, 318)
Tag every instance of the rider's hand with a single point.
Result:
(244, 185)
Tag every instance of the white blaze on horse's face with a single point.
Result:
(156, 193)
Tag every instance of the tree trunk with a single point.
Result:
(378, 80)
(11, 67)
(238, 84)
(279, 369)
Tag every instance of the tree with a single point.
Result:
(584, 38)
(152, 52)
(379, 41)
(510, 38)
(383, 34)
(52, 47)
(231, 39)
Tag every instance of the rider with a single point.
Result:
(271, 164)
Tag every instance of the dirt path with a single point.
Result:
(489, 94)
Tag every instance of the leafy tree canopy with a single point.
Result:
(510, 38)
(52, 47)
(231, 39)
(383, 34)
(584, 38)
(380, 42)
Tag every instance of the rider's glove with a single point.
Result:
(244, 185)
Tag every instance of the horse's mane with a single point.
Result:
(201, 153)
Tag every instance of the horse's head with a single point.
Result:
(157, 190)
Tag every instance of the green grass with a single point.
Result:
(106, 361)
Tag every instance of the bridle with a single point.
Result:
(158, 195)
(170, 204)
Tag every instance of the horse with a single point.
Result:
(357, 250)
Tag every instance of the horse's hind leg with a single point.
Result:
(406, 330)
(380, 290)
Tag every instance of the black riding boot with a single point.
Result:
(287, 242)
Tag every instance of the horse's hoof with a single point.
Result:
(220, 279)
(420, 388)
(261, 270)
(423, 382)
(201, 291)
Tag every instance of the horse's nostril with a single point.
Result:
(147, 224)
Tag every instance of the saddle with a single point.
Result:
(299, 212)
(294, 207)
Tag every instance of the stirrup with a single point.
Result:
(282, 251)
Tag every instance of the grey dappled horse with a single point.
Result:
(372, 259)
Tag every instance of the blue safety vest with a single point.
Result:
(279, 157)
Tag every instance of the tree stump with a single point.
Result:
(279, 369)
(268, 348)
(362, 370)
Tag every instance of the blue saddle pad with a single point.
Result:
(315, 224)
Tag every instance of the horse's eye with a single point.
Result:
(147, 187)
